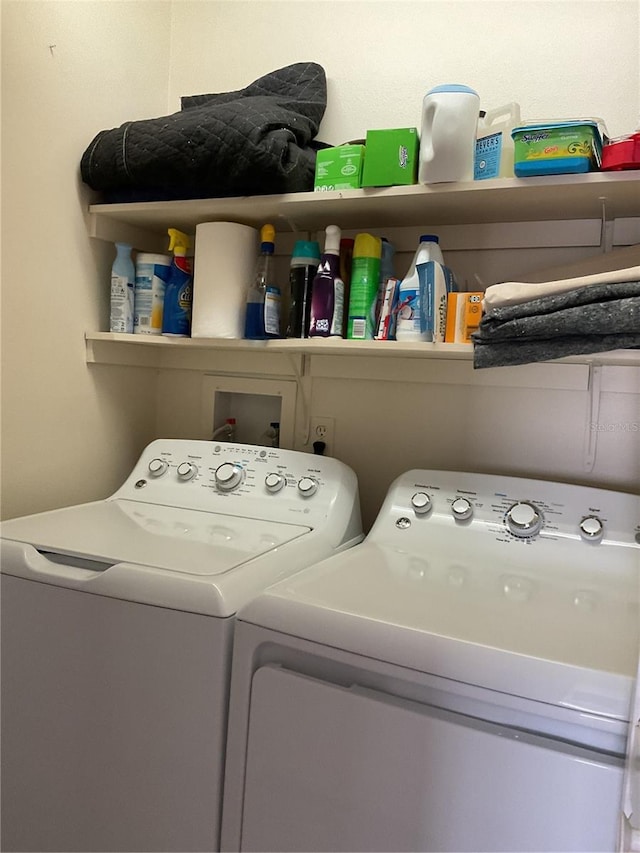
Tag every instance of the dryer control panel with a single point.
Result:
(241, 479)
(510, 509)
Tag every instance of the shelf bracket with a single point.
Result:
(606, 227)
(593, 413)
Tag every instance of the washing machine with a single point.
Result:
(116, 632)
(459, 681)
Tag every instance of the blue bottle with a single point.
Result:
(178, 295)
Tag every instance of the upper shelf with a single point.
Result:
(616, 194)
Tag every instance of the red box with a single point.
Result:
(622, 154)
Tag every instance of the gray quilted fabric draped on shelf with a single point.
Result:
(252, 141)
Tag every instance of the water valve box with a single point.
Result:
(391, 157)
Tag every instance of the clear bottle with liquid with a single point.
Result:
(262, 319)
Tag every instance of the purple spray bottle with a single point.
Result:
(327, 292)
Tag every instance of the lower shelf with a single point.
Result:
(114, 348)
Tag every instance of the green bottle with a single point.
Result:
(365, 277)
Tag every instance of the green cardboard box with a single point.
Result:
(339, 168)
(391, 157)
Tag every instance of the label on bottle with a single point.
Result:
(409, 314)
(272, 312)
(176, 315)
(338, 308)
(149, 297)
(122, 296)
(488, 157)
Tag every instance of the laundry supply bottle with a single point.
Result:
(448, 134)
(123, 280)
(303, 268)
(327, 292)
(386, 272)
(365, 279)
(346, 262)
(494, 144)
(178, 295)
(262, 318)
(410, 316)
(271, 436)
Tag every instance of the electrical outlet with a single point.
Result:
(322, 429)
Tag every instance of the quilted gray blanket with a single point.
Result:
(597, 318)
(254, 141)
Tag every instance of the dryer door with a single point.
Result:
(630, 818)
(333, 768)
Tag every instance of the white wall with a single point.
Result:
(557, 58)
(380, 59)
(70, 432)
(69, 69)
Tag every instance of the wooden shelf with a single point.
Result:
(138, 349)
(563, 197)
(614, 194)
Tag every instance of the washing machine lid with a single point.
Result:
(564, 634)
(188, 541)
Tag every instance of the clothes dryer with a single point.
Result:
(117, 626)
(460, 681)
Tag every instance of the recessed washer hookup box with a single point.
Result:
(391, 157)
(339, 168)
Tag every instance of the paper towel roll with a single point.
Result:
(224, 262)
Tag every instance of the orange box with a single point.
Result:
(464, 311)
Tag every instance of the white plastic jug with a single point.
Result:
(494, 146)
(448, 136)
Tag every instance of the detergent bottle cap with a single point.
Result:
(332, 240)
(267, 238)
(367, 246)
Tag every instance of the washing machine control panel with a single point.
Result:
(251, 480)
(509, 509)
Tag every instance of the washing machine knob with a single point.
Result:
(187, 471)
(421, 503)
(157, 467)
(229, 476)
(524, 519)
(591, 528)
(274, 482)
(461, 509)
(307, 486)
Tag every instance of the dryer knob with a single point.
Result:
(157, 467)
(274, 482)
(307, 486)
(229, 476)
(187, 471)
(591, 528)
(461, 509)
(524, 519)
(421, 503)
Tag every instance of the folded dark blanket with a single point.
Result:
(510, 352)
(253, 141)
(594, 319)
